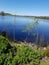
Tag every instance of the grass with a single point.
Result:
(44, 63)
(20, 54)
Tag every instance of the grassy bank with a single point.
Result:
(19, 54)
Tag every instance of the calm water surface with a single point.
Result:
(16, 25)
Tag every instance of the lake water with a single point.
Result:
(15, 27)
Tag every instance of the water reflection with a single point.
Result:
(28, 29)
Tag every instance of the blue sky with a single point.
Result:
(26, 7)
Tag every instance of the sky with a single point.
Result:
(25, 7)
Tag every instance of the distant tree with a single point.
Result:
(2, 13)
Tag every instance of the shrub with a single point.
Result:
(4, 44)
(7, 52)
(18, 55)
(47, 51)
(27, 55)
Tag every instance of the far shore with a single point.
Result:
(8, 14)
(42, 17)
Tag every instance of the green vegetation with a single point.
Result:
(44, 63)
(18, 54)
(47, 51)
(41, 17)
(30, 27)
(8, 14)
(5, 14)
